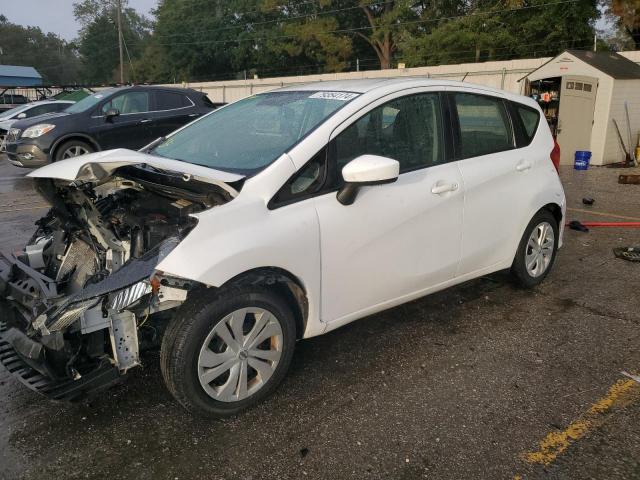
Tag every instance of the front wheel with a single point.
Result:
(537, 250)
(226, 351)
(73, 148)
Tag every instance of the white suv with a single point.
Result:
(276, 218)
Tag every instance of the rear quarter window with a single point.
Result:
(170, 101)
(529, 119)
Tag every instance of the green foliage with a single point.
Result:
(626, 14)
(55, 59)
(502, 30)
(195, 40)
(98, 42)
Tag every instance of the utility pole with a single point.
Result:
(595, 42)
(119, 6)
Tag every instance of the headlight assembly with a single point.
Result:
(37, 130)
(130, 295)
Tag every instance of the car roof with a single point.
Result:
(154, 87)
(45, 102)
(363, 86)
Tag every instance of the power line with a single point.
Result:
(280, 20)
(368, 61)
(368, 27)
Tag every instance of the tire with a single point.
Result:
(193, 347)
(528, 249)
(67, 149)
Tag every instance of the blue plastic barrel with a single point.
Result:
(582, 159)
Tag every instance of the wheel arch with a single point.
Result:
(286, 284)
(72, 136)
(556, 211)
(554, 208)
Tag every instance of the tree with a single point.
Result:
(56, 60)
(223, 39)
(98, 40)
(627, 13)
(309, 34)
(500, 30)
(385, 24)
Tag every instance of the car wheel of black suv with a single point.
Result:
(73, 148)
(228, 349)
(537, 250)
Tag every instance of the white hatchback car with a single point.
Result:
(279, 217)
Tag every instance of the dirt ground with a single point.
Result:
(480, 381)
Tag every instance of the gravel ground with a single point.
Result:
(461, 384)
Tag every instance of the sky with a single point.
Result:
(55, 15)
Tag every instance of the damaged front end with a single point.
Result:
(84, 297)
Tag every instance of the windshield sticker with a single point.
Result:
(342, 96)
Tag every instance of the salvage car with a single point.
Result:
(128, 117)
(30, 110)
(279, 217)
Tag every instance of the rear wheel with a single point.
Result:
(226, 351)
(537, 250)
(73, 148)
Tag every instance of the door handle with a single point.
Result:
(145, 120)
(439, 189)
(523, 166)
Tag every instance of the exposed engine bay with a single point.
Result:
(84, 297)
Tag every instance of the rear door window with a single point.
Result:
(484, 125)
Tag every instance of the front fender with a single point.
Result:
(243, 235)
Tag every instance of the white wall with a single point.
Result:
(503, 75)
(629, 91)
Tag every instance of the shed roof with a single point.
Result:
(611, 63)
(18, 71)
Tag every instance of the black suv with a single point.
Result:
(126, 117)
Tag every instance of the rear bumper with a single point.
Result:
(31, 371)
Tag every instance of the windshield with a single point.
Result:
(9, 113)
(250, 134)
(88, 102)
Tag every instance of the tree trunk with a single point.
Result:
(384, 48)
(634, 33)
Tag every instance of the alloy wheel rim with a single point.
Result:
(240, 354)
(74, 151)
(539, 251)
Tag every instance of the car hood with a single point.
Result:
(98, 166)
(6, 124)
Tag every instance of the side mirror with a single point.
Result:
(21, 115)
(112, 112)
(366, 170)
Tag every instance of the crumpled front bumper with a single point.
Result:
(31, 357)
(29, 371)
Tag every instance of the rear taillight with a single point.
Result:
(555, 155)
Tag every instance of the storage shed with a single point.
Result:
(581, 93)
(17, 76)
